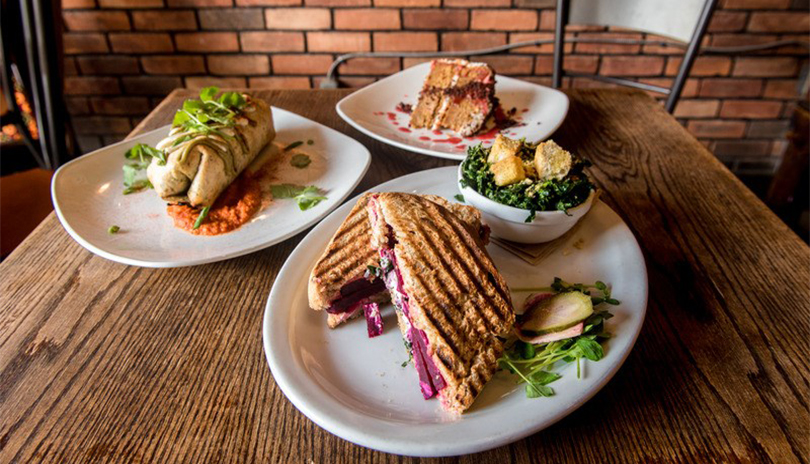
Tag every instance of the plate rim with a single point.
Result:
(213, 259)
(393, 445)
(425, 151)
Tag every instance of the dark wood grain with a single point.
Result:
(104, 362)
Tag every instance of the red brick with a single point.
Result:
(703, 66)
(91, 86)
(742, 148)
(198, 82)
(510, 65)
(781, 88)
(405, 42)
(77, 4)
(504, 20)
(108, 64)
(120, 105)
(366, 66)
(717, 129)
(96, 20)
(84, 43)
(456, 41)
(207, 42)
(632, 65)
(741, 39)
(765, 67)
(768, 129)
(516, 37)
(727, 21)
(298, 18)
(543, 81)
(156, 20)
(696, 108)
(130, 4)
(433, 19)
(753, 109)
(608, 48)
(780, 21)
(200, 3)
(101, 125)
(173, 64)
(367, 19)
(543, 65)
(476, 3)
(78, 105)
(548, 19)
(537, 4)
(238, 65)
(664, 49)
(581, 63)
(755, 4)
(278, 82)
(141, 42)
(301, 64)
(268, 2)
(150, 85)
(690, 88)
(338, 41)
(731, 88)
(71, 68)
(231, 18)
(272, 41)
(337, 2)
(408, 3)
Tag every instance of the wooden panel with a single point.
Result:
(105, 362)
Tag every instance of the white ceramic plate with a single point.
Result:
(372, 111)
(87, 195)
(356, 387)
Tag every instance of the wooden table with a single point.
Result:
(105, 362)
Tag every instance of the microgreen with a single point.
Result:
(113, 230)
(210, 114)
(144, 153)
(459, 197)
(201, 217)
(531, 363)
(305, 197)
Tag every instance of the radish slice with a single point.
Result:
(552, 337)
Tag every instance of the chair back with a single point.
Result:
(676, 19)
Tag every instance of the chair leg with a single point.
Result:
(559, 43)
(690, 55)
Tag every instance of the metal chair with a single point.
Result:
(683, 20)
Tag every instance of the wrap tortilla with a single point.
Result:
(199, 169)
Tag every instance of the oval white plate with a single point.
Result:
(88, 199)
(356, 387)
(372, 111)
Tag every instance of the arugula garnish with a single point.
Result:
(144, 153)
(134, 178)
(459, 197)
(305, 197)
(300, 161)
(531, 362)
(295, 144)
(209, 114)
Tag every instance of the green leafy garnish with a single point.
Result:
(459, 197)
(210, 114)
(531, 362)
(144, 153)
(305, 197)
(533, 195)
(201, 217)
(300, 161)
(295, 144)
(113, 229)
(134, 178)
(310, 142)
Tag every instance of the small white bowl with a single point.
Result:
(508, 222)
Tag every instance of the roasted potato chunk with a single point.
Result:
(503, 147)
(552, 161)
(508, 171)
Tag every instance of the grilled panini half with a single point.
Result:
(338, 283)
(454, 307)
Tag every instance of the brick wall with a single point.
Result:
(123, 56)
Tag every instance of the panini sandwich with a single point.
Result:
(453, 306)
(345, 281)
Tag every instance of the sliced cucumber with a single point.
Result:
(559, 312)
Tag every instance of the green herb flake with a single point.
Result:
(300, 161)
(310, 142)
(459, 197)
(113, 230)
(305, 197)
(201, 217)
(293, 145)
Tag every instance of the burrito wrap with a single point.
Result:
(199, 169)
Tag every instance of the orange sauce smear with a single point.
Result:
(233, 208)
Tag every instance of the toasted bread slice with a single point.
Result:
(454, 301)
(349, 254)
